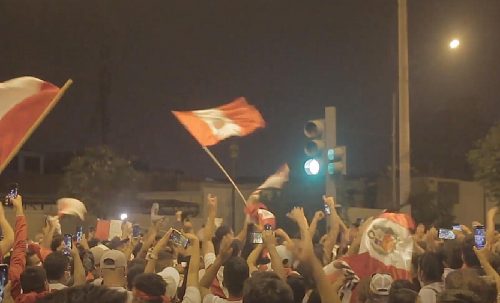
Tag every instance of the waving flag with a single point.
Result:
(24, 102)
(276, 180)
(386, 247)
(210, 126)
(70, 206)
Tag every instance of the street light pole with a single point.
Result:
(404, 104)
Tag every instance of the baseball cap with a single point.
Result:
(171, 276)
(380, 284)
(112, 259)
(285, 254)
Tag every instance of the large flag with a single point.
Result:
(23, 103)
(209, 126)
(277, 180)
(386, 247)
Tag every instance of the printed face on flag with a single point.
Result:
(388, 242)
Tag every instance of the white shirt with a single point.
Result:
(214, 299)
(429, 292)
(56, 286)
(192, 295)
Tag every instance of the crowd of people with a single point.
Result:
(216, 265)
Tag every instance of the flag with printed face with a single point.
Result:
(210, 126)
(386, 247)
(23, 103)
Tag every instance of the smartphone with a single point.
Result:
(257, 238)
(136, 231)
(79, 233)
(68, 240)
(446, 234)
(457, 227)
(480, 236)
(4, 277)
(327, 210)
(268, 227)
(12, 193)
(179, 239)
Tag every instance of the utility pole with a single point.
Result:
(404, 104)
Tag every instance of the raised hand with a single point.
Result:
(330, 201)
(319, 215)
(268, 238)
(212, 204)
(297, 215)
(226, 251)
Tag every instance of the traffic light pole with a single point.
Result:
(330, 143)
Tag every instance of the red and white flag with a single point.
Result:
(209, 126)
(23, 102)
(277, 180)
(70, 206)
(386, 247)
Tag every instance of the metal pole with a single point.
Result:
(330, 129)
(404, 105)
(234, 152)
(394, 153)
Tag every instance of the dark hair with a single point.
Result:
(402, 295)
(93, 242)
(458, 296)
(469, 256)
(452, 253)
(56, 242)
(33, 279)
(402, 284)
(137, 261)
(471, 279)
(266, 287)
(235, 273)
(220, 232)
(87, 293)
(431, 266)
(151, 284)
(55, 265)
(133, 272)
(298, 285)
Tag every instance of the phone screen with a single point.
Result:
(68, 241)
(446, 234)
(4, 277)
(79, 233)
(257, 238)
(327, 209)
(268, 227)
(179, 239)
(136, 231)
(479, 236)
(457, 227)
(11, 193)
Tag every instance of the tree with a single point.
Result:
(101, 179)
(485, 162)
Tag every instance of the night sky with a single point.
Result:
(288, 58)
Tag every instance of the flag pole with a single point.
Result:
(225, 173)
(56, 99)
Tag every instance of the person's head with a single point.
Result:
(187, 225)
(132, 272)
(402, 284)
(149, 288)
(34, 279)
(117, 243)
(458, 296)
(165, 259)
(430, 268)
(220, 232)
(380, 285)
(266, 287)
(235, 273)
(172, 278)
(56, 266)
(57, 243)
(113, 268)
(298, 285)
(470, 279)
(468, 255)
(403, 295)
(32, 259)
(452, 253)
(87, 293)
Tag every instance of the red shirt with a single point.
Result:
(18, 256)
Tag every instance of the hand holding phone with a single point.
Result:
(179, 239)
(136, 231)
(79, 233)
(479, 236)
(257, 238)
(446, 234)
(68, 242)
(12, 193)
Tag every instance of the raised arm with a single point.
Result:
(276, 262)
(153, 257)
(149, 238)
(490, 225)
(78, 269)
(18, 256)
(356, 243)
(307, 257)
(8, 233)
(253, 257)
(318, 216)
(225, 253)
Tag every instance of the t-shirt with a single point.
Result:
(214, 299)
(429, 292)
(56, 286)
(192, 295)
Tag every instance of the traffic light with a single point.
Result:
(324, 156)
